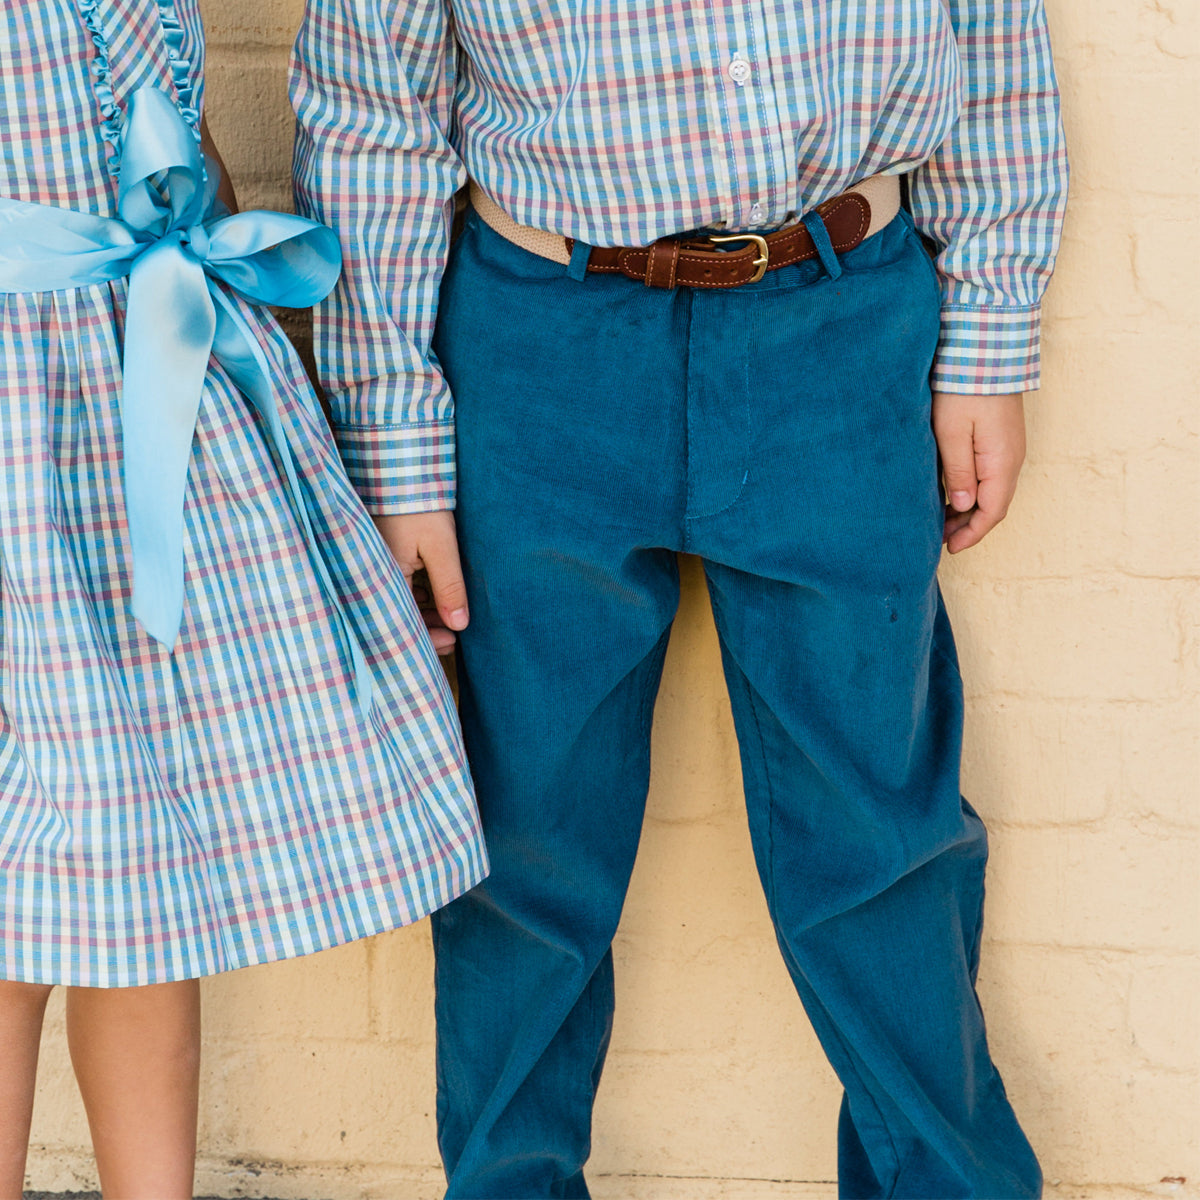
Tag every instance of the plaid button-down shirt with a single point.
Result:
(622, 121)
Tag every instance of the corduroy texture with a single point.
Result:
(737, 425)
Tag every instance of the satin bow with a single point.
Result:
(171, 239)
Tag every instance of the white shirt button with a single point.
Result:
(755, 216)
(739, 70)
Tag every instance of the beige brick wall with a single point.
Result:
(1078, 626)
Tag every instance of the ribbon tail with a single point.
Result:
(169, 331)
(46, 249)
(237, 349)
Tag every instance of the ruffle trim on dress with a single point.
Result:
(181, 67)
(112, 119)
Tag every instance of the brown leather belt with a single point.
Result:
(699, 261)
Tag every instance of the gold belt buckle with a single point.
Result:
(764, 251)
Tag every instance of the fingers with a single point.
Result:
(443, 639)
(972, 530)
(954, 429)
(997, 442)
(997, 486)
(402, 533)
(428, 541)
(439, 553)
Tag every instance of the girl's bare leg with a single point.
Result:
(136, 1053)
(22, 1006)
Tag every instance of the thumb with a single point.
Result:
(442, 565)
(956, 444)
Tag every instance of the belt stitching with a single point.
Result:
(533, 240)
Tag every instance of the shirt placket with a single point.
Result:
(758, 165)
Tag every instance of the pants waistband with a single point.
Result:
(874, 203)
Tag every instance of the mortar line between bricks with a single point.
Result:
(239, 47)
(1163, 699)
(1139, 951)
(1148, 824)
(1100, 576)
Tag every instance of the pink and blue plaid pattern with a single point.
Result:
(168, 815)
(622, 122)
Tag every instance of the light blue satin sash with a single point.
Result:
(176, 248)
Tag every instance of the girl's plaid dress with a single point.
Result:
(168, 814)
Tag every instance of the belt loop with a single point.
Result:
(662, 260)
(815, 225)
(577, 268)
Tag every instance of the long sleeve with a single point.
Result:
(373, 87)
(992, 199)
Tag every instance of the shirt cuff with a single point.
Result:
(988, 351)
(400, 468)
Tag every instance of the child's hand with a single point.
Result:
(982, 443)
(428, 541)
